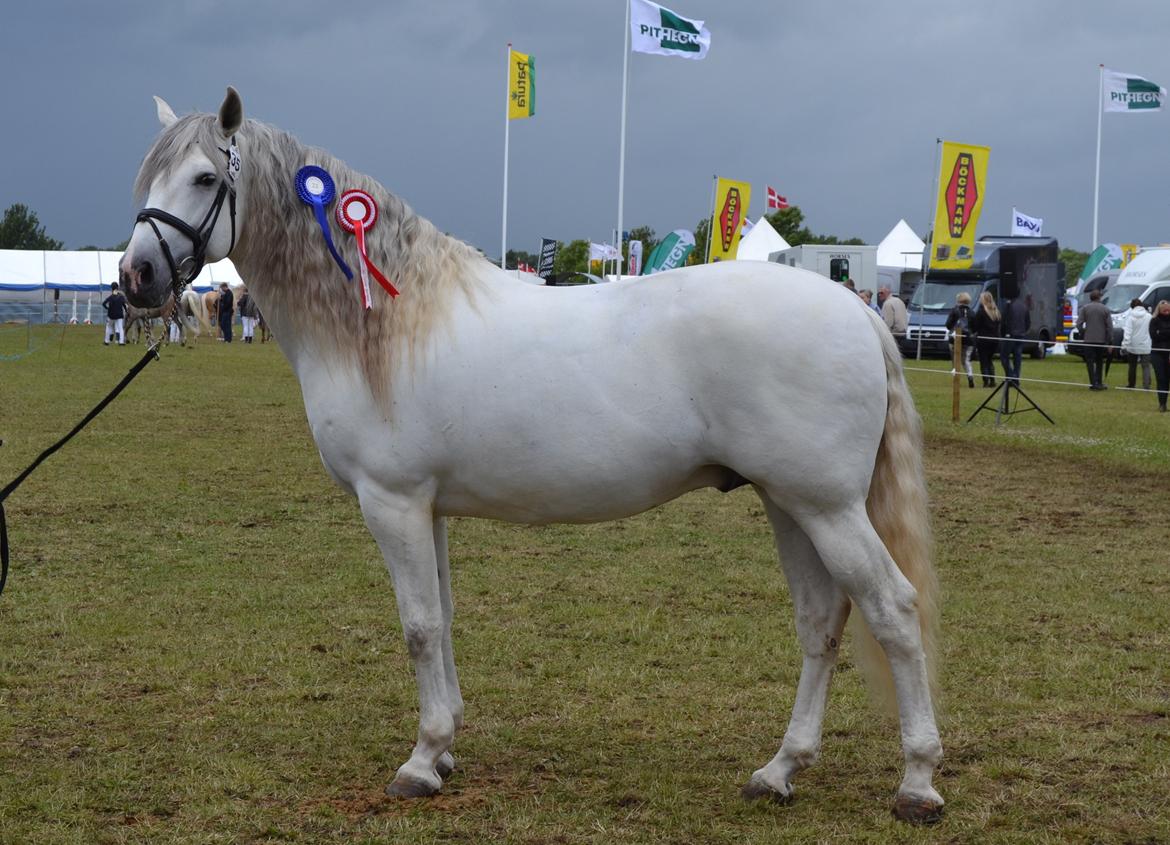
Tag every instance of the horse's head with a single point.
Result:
(190, 178)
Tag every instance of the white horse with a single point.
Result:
(191, 317)
(474, 394)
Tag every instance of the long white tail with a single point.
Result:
(897, 506)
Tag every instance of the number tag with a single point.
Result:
(233, 167)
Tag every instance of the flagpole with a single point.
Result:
(711, 225)
(930, 230)
(622, 148)
(507, 125)
(1097, 177)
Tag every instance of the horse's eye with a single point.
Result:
(205, 180)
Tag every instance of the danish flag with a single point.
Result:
(775, 200)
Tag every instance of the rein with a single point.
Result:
(151, 354)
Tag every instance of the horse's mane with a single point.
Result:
(282, 256)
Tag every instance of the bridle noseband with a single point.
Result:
(201, 235)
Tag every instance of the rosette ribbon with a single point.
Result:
(315, 188)
(357, 212)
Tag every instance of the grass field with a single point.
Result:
(199, 642)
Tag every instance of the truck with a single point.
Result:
(839, 262)
(1007, 267)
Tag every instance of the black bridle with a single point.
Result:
(201, 235)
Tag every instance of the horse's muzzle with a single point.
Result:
(142, 284)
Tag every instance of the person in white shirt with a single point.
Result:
(1136, 342)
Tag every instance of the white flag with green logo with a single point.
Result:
(1126, 92)
(656, 29)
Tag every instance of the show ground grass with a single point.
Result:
(199, 641)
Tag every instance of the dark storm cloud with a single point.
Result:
(837, 105)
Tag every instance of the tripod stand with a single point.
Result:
(1006, 407)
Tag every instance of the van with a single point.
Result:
(1146, 277)
(1006, 267)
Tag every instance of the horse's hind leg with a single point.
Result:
(821, 608)
(454, 697)
(858, 561)
(405, 531)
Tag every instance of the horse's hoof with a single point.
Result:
(446, 764)
(913, 810)
(757, 789)
(405, 787)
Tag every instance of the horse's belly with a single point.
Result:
(585, 496)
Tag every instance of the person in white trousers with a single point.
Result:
(115, 305)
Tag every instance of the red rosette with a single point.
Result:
(357, 212)
(356, 208)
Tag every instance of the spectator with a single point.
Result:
(115, 305)
(1136, 342)
(248, 314)
(1017, 320)
(986, 327)
(225, 311)
(1160, 349)
(1095, 323)
(866, 296)
(893, 312)
(958, 322)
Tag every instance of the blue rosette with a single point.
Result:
(315, 188)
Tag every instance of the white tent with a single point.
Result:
(760, 242)
(28, 275)
(75, 270)
(901, 248)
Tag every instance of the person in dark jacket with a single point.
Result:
(249, 312)
(1160, 351)
(1095, 324)
(115, 305)
(225, 311)
(985, 326)
(1016, 322)
(958, 322)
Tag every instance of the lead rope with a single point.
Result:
(151, 354)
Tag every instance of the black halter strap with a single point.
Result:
(199, 236)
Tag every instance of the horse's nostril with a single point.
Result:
(145, 271)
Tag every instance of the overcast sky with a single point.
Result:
(837, 105)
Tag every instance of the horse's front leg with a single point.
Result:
(446, 762)
(404, 529)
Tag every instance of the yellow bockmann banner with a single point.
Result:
(521, 85)
(962, 181)
(731, 208)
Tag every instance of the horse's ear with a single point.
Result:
(166, 115)
(231, 113)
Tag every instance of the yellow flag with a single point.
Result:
(731, 208)
(521, 85)
(962, 181)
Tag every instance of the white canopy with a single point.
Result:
(34, 269)
(901, 248)
(760, 242)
